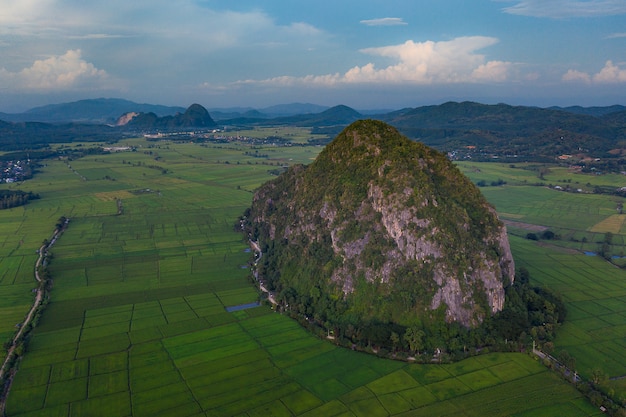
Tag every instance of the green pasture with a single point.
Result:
(294, 134)
(595, 296)
(537, 173)
(137, 322)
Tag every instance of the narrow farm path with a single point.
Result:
(257, 249)
(7, 366)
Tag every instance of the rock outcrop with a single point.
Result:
(196, 116)
(381, 228)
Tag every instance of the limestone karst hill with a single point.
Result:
(380, 229)
(196, 116)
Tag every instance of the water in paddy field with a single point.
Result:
(242, 306)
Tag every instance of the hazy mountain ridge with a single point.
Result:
(386, 227)
(106, 110)
(514, 133)
(101, 111)
(592, 111)
(196, 116)
(529, 132)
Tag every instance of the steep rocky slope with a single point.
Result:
(195, 116)
(381, 228)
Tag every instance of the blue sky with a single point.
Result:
(371, 54)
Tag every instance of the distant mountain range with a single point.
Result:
(195, 116)
(108, 110)
(477, 130)
(99, 111)
(591, 111)
(521, 128)
(281, 110)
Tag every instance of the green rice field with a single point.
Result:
(137, 322)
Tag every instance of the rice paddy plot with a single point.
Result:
(32, 377)
(113, 362)
(238, 296)
(16, 270)
(24, 400)
(542, 388)
(394, 382)
(51, 355)
(108, 383)
(228, 367)
(69, 370)
(301, 401)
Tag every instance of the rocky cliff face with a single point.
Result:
(124, 119)
(382, 228)
(195, 116)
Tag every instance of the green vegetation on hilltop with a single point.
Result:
(365, 240)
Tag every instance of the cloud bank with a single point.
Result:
(610, 74)
(421, 63)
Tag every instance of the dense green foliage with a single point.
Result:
(15, 198)
(29, 135)
(302, 217)
(530, 314)
(527, 132)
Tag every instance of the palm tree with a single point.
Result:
(415, 338)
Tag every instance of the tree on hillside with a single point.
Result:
(415, 338)
(395, 340)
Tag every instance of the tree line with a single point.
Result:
(531, 314)
(15, 198)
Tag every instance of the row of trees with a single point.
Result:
(531, 314)
(13, 198)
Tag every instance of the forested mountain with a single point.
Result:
(384, 243)
(524, 132)
(592, 111)
(195, 116)
(99, 111)
(35, 135)
(335, 116)
(381, 228)
(25, 136)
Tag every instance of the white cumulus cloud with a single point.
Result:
(65, 71)
(609, 74)
(426, 63)
(576, 76)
